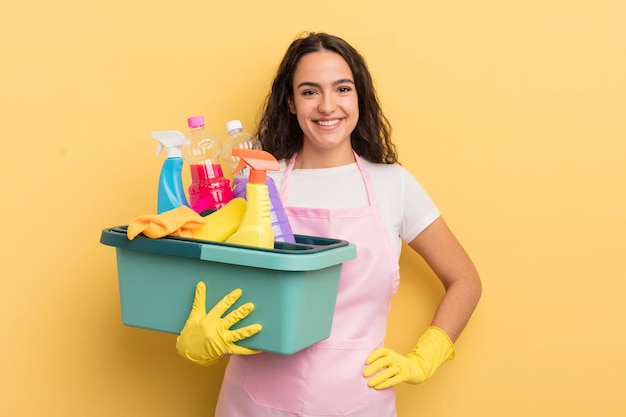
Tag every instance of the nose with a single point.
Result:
(327, 104)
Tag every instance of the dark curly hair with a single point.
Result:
(278, 129)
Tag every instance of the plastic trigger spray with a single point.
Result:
(237, 138)
(256, 226)
(171, 192)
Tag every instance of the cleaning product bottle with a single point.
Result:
(237, 138)
(171, 192)
(209, 188)
(256, 226)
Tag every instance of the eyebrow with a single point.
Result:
(312, 84)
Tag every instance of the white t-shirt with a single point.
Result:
(406, 207)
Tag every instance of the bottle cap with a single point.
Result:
(195, 121)
(233, 125)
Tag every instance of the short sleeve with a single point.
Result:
(418, 209)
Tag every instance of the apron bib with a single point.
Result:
(326, 378)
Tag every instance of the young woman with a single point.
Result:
(339, 178)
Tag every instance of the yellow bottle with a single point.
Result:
(256, 226)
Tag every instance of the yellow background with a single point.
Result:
(511, 114)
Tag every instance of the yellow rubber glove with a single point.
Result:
(389, 368)
(176, 222)
(207, 337)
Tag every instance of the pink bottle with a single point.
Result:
(209, 188)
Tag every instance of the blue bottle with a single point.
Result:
(171, 192)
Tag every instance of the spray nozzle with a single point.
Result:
(258, 161)
(171, 140)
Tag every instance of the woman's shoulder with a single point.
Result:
(395, 180)
(386, 170)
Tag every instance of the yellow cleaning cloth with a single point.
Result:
(180, 221)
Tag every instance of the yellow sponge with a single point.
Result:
(222, 223)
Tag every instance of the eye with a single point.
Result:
(308, 92)
(344, 89)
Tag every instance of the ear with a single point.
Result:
(292, 106)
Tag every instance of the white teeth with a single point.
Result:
(328, 122)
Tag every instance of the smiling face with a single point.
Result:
(326, 104)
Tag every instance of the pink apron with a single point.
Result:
(326, 378)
